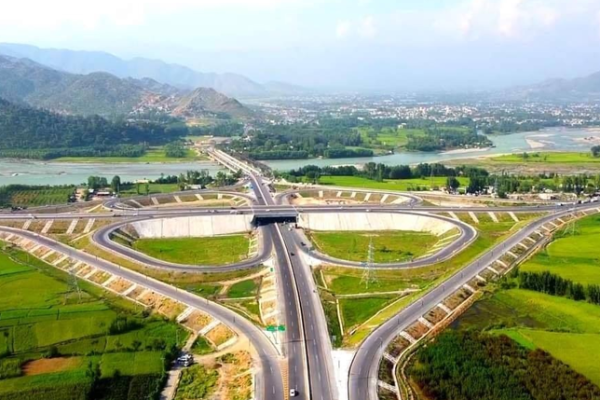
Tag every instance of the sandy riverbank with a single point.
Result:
(464, 151)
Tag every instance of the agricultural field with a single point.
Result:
(567, 329)
(218, 250)
(393, 290)
(66, 339)
(389, 184)
(547, 158)
(573, 254)
(388, 246)
(17, 196)
(153, 155)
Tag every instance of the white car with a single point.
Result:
(293, 393)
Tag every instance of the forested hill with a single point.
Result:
(32, 132)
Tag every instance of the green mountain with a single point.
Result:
(85, 62)
(22, 80)
(37, 133)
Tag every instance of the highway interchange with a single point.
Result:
(307, 348)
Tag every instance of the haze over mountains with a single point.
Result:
(23, 80)
(86, 62)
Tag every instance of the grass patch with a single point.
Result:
(572, 256)
(389, 184)
(547, 158)
(153, 155)
(197, 382)
(246, 288)
(201, 346)
(357, 311)
(388, 246)
(218, 250)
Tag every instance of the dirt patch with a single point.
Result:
(196, 321)
(51, 365)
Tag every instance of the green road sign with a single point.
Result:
(271, 328)
(281, 328)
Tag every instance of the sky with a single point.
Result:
(388, 45)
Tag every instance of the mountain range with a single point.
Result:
(584, 88)
(23, 80)
(86, 62)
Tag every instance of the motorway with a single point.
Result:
(362, 384)
(307, 344)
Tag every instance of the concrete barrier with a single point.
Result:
(196, 226)
(374, 222)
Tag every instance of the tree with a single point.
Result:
(97, 182)
(452, 183)
(595, 151)
(313, 177)
(115, 184)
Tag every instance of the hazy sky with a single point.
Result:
(379, 44)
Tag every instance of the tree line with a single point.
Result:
(555, 285)
(379, 172)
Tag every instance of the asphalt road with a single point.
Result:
(362, 383)
(274, 208)
(269, 380)
(467, 235)
(316, 333)
(102, 238)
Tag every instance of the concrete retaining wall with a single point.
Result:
(197, 226)
(374, 222)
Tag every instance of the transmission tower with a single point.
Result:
(75, 284)
(369, 275)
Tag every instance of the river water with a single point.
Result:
(29, 172)
(554, 139)
(50, 173)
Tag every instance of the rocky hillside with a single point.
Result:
(203, 100)
(22, 80)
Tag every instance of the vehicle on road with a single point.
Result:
(293, 393)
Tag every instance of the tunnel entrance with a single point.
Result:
(266, 218)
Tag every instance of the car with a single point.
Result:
(303, 244)
(292, 253)
(293, 393)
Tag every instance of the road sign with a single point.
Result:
(271, 328)
(281, 328)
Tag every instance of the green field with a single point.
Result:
(573, 255)
(218, 250)
(547, 158)
(21, 197)
(76, 329)
(388, 246)
(389, 184)
(153, 155)
(567, 329)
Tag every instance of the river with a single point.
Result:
(555, 139)
(30, 172)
